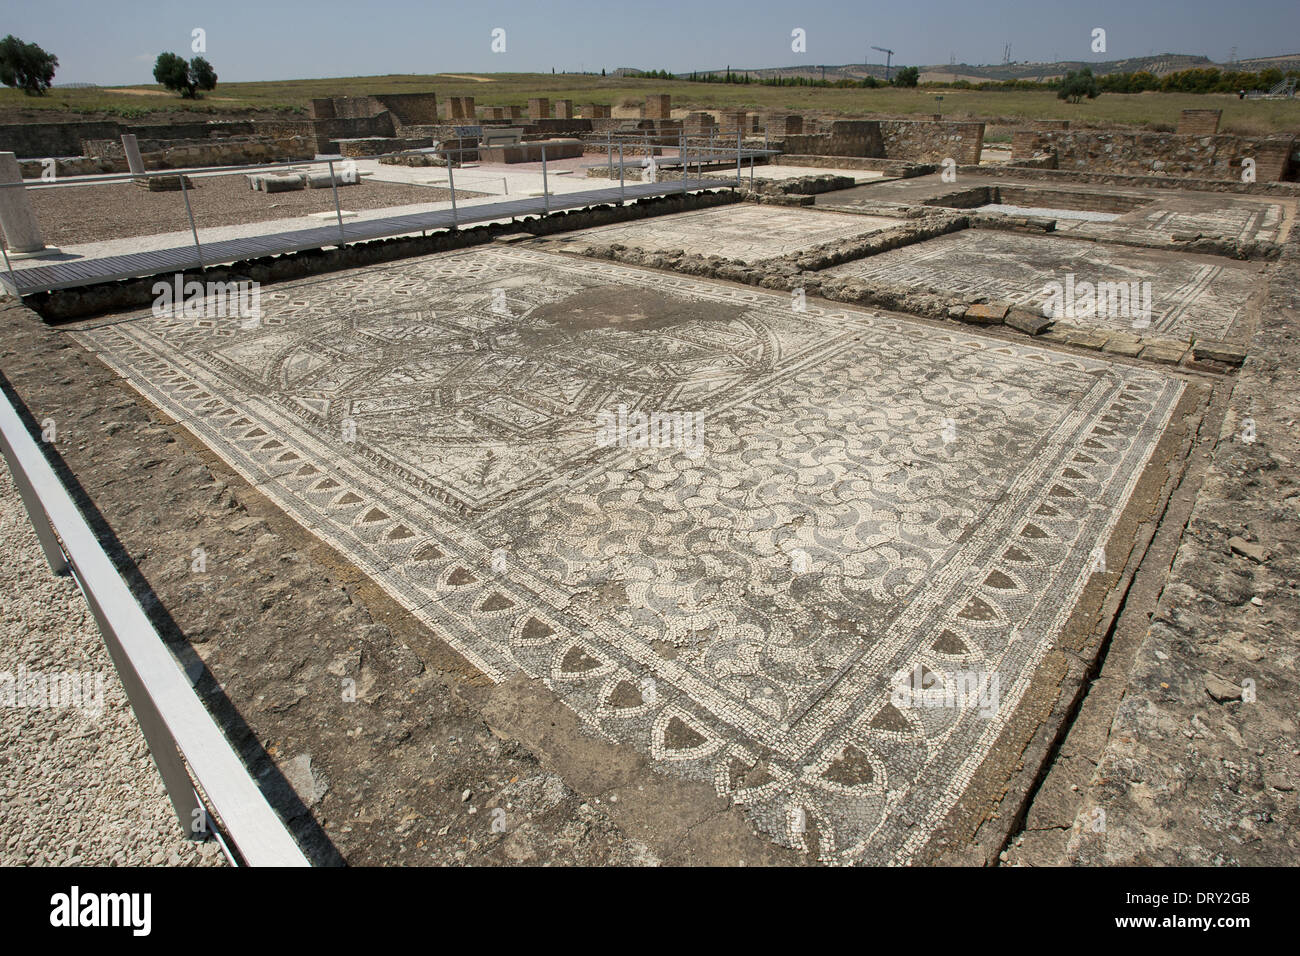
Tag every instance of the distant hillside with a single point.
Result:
(949, 72)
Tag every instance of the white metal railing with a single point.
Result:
(711, 155)
(177, 727)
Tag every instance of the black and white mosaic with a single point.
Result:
(870, 497)
(1189, 295)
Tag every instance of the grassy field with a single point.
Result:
(1152, 110)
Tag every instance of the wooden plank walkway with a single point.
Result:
(134, 265)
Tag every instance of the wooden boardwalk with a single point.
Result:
(134, 265)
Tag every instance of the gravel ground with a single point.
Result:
(76, 788)
(75, 214)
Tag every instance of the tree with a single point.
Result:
(26, 66)
(907, 76)
(204, 76)
(1076, 86)
(187, 79)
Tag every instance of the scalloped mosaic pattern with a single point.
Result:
(654, 590)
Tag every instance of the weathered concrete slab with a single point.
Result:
(1190, 294)
(739, 612)
(745, 231)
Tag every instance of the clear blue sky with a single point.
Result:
(116, 41)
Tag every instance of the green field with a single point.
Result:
(1151, 110)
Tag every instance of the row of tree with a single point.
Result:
(1206, 80)
(906, 76)
(27, 67)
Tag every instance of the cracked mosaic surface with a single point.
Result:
(745, 231)
(873, 496)
(1201, 295)
(1222, 216)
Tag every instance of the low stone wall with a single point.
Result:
(561, 127)
(894, 167)
(846, 138)
(592, 144)
(928, 141)
(910, 140)
(377, 145)
(1031, 171)
(38, 140)
(71, 166)
(108, 155)
(531, 152)
(1036, 196)
(798, 269)
(1161, 154)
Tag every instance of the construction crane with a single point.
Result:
(888, 54)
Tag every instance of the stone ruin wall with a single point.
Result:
(911, 140)
(108, 155)
(1216, 156)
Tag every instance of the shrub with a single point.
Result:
(187, 79)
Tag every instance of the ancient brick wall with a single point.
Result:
(410, 109)
(458, 108)
(781, 125)
(657, 106)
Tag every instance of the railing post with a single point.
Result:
(622, 191)
(546, 193)
(609, 152)
(682, 161)
(738, 135)
(9, 266)
(185, 194)
(161, 743)
(338, 210)
(451, 184)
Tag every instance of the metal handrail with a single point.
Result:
(177, 727)
(685, 149)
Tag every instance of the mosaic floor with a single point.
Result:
(744, 231)
(1214, 216)
(871, 498)
(1201, 295)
